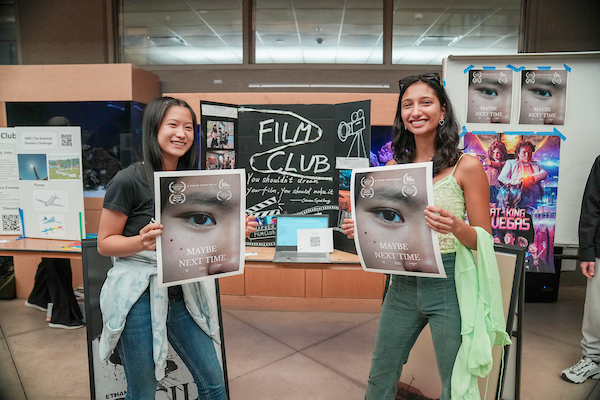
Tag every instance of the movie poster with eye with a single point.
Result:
(489, 96)
(522, 172)
(390, 233)
(543, 97)
(203, 218)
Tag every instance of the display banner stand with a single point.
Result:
(107, 380)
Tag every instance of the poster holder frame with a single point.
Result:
(93, 278)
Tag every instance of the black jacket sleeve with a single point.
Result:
(589, 220)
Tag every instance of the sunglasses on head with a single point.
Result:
(432, 76)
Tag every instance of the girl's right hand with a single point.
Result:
(348, 228)
(148, 235)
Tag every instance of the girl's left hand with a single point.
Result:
(440, 220)
(251, 224)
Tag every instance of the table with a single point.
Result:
(27, 253)
(341, 285)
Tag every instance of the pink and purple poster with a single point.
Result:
(522, 171)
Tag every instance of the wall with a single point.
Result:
(562, 25)
(64, 31)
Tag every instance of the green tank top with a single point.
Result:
(448, 195)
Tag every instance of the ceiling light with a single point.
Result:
(436, 40)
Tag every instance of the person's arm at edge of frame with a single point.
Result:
(112, 243)
(589, 220)
(471, 176)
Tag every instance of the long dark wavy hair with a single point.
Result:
(447, 151)
(151, 154)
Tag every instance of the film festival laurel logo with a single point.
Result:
(224, 193)
(177, 196)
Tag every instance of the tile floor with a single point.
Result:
(284, 355)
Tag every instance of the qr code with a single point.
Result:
(10, 223)
(66, 140)
(315, 241)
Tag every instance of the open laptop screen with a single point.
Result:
(287, 225)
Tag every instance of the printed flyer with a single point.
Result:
(390, 232)
(523, 175)
(203, 218)
(51, 182)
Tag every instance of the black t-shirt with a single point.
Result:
(129, 193)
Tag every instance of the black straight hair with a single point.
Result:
(151, 153)
(447, 138)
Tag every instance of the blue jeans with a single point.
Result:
(195, 348)
(410, 303)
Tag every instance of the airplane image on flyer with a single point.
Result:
(51, 201)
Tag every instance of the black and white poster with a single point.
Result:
(490, 96)
(390, 232)
(543, 97)
(203, 218)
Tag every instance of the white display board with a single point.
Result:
(579, 130)
(50, 170)
(9, 183)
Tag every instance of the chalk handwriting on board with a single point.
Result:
(280, 159)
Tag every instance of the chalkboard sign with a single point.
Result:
(293, 156)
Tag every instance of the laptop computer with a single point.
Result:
(286, 238)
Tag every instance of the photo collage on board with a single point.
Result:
(220, 144)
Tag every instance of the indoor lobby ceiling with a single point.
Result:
(176, 32)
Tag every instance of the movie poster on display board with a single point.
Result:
(522, 173)
(391, 234)
(543, 97)
(489, 96)
(203, 218)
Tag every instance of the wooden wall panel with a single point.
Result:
(77, 82)
(353, 284)
(93, 210)
(234, 285)
(275, 282)
(314, 283)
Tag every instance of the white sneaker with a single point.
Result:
(580, 372)
(70, 325)
(28, 304)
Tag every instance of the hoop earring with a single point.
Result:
(442, 121)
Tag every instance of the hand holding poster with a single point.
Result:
(390, 233)
(203, 218)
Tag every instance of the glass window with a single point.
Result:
(182, 32)
(426, 32)
(310, 31)
(8, 34)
